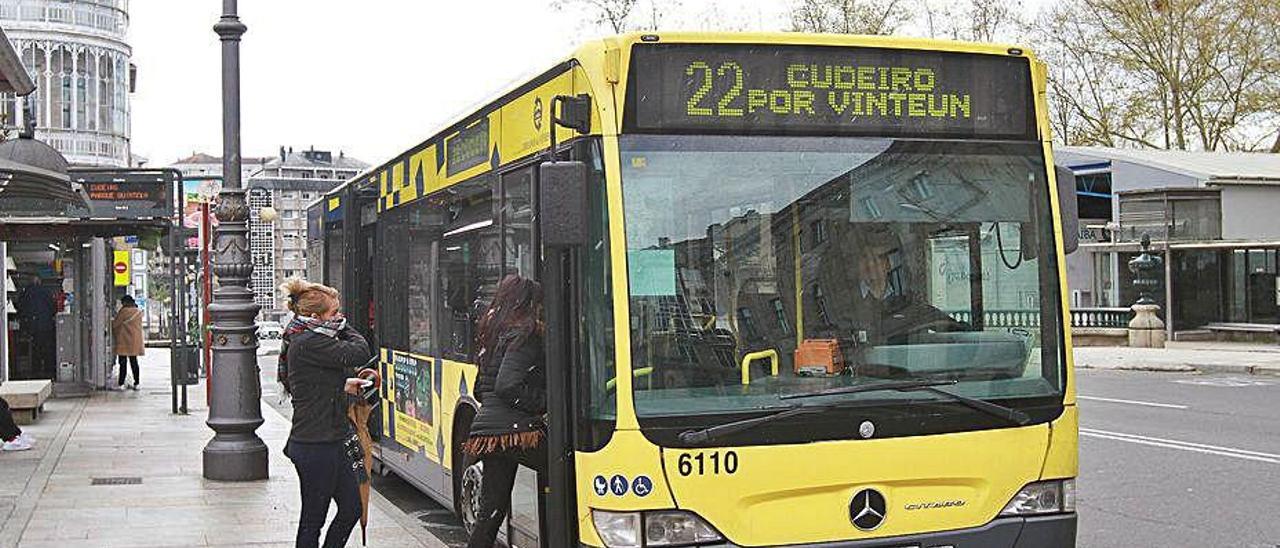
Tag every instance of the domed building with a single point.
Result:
(76, 53)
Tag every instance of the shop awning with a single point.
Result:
(13, 76)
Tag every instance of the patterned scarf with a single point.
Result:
(328, 328)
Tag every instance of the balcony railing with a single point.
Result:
(1101, 317)
(87, 147)
(101, 17)
(1080, 317)
(1001, 318)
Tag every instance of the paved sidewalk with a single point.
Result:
(1206, 357)
(47, 500)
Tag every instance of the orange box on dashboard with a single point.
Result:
(819, 357)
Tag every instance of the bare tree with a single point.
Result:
(1175, 74)
(989, 20)
(849, 16)
(621, 15)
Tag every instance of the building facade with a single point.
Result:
(1211, 216)
(288, 183)
(200, 164)
(77, 54)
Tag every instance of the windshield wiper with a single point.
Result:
(704, 435)
(1015, 416)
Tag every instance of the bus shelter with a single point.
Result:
(75, 241)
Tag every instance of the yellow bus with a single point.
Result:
(804, 290)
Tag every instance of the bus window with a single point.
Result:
(598, 401)
(335, 242)
(469, 265)
(423, 229)
(517, 214)
(393, 308)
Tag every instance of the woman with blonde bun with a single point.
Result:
(319, 361)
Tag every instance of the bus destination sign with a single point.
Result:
(736, 88)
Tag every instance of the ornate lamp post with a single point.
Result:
(1146, 330)
(235, 453)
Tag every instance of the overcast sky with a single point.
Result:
(368, 77)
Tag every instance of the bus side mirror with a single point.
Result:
(1069, 207)
(562, 199)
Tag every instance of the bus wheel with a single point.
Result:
(469, 492)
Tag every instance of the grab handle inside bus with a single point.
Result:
(753, 356)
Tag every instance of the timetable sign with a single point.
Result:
(735, 88)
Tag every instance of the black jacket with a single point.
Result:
(513, 395)
(36, 307)
(319, 367)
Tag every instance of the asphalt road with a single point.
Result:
(1187, 460)
(1169, 460)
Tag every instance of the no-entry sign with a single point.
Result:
(120, 267)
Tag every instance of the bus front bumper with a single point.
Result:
(1054, 531)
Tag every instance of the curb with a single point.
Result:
(1260, 370)
(1219, 368)
(1170, 368)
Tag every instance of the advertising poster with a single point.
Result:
(413, 403)
(193, 192)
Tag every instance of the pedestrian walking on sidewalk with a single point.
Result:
(126, 330)
(319, 361)
(13, 438)
(510, 428)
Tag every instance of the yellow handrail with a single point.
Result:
(642, 372)
(753, 356)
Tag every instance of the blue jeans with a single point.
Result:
(324, 474)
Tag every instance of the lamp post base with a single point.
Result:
(242, 459)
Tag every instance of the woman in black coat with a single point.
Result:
(510, 428)
(318, 366)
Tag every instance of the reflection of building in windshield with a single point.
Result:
(848, 260)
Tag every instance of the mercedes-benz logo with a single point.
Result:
(867, 509)
(866, 429)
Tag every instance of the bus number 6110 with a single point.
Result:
(713, 463)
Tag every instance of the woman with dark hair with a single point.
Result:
(511, 385)
(126, 330)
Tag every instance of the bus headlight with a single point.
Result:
(1043, 497)
(654, 528)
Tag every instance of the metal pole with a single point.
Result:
(206, 296)
(235, 453)
(174, 284)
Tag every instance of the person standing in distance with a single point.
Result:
(37, 310)
(126, 331)
(510, 429)
(320, 358)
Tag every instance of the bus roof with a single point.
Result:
(623, 43)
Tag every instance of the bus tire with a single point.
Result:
(468, 472)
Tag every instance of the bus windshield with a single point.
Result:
(765, 267)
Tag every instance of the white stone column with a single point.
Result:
(47, 115)
(75, 89)
(97, 89)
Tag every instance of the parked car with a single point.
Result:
(270, 330)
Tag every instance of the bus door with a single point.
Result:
(563, 232)
(515, 220)
(362, 259)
